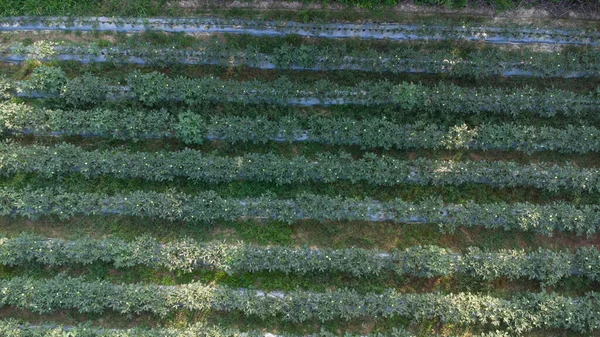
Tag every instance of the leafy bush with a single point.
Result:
(48, 80)
(149, 88)
(427, 261)
(41, 50)
(191, 128)
(5, 87)
(84, 91)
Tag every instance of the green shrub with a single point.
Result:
(5, 88)
(84, 90)
(49, 80)
(190, 128)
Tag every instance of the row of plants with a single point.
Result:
(194, 128)
(187, 255)
(12, 328)
(62, 159)
(402, 59)
(522, 313)
(207, 207)
(381, 132)
(123, 123)
(464, 31)
(156, 89)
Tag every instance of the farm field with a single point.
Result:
(352, 168)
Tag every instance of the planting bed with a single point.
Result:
(223, 175)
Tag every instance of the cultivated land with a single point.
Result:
(243, 168)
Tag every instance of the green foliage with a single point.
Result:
(79, 7)
(156, 89)
(149, 88)
(191, 128)
(62, 159)
(504, 4)
(368, 133)
(74, 100)
(47, 80)
(41, 50)
(5, 88)
(475, 63)
(146, 8)
(447, 3)
(84, 91)
(428, 261)
(208, 206)
(522, 313)
(10, 328)
(544, 265)
(586, 262)
(188, 255)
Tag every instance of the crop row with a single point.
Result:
(322, 30)
(154, 89)
(522, 313)
(12, 328)
(478, 64)
(192, 128)
(187, 255)
(61, 159)
(208, 206)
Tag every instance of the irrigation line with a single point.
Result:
(496, 35)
